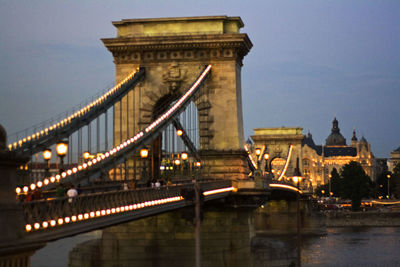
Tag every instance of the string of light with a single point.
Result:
(116, 149)
(286, 163)
(106, 212)
(77, 114)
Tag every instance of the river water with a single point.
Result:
(347, 246)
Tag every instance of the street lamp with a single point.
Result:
(144, 153)
(184, 157)
(179, 132)
(297, 179)
(62, 148)
(47, 157)
(388, 176)
(258, 151)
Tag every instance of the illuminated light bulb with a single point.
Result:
(26, 189)
(80, 217)
(114, 150)
(46, 181)
(28, 227)
(84, 165)
(103, 157)
(73, 218)
(74, 169)
(86, 216)
(89, 163)
(39, 184)
(107, 154)
(9, 147)
(79, 167)
(58, 177)
(130, 207)
(134, 206)
(113, 210)
(99, 158)
(36, 226)
(69, 172)
(67, 219)
(24, 140)
(29, 138)
(103, 212)
(18, 190)
(51, 128)
(98, 213)
(52, 179)
(52, 223)
(122, 209)
(19, 142)
(60, 221)
(94, 161)
(108, 211)
(45, 224)
(92, 214)
(111, 152)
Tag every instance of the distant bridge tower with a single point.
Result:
(173, 51)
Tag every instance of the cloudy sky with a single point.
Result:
(312, 60)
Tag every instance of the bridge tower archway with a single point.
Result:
(173, 51)
(277, 142)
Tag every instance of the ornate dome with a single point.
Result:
(335, 138)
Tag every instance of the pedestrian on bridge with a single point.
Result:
(71, 193)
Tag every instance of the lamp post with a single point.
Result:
(144, 153)
(62, 148)
(184, 157)
(330, 185)
(388, 177)
(177, 163)
(297, 179)
(47, 157)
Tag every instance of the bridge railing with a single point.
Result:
(42, 214)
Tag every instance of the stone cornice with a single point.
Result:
(240, 42)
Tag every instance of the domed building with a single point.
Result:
(319, 160)
(316, 161)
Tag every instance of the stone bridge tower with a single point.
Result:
(174, 51)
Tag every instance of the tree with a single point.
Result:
(395, 181)
(355, 184)
(336, 183)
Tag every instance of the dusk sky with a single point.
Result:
(311, 61)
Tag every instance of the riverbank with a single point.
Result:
(364, 219)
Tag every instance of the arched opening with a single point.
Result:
(156, 146)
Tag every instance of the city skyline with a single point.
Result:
(309, 63)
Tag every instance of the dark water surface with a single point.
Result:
(378, 246)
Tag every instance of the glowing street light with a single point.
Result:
(144, 153)
(47, 157)
(86, 155)
(62, 148)
(179, 132)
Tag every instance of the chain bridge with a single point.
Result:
(169, 132)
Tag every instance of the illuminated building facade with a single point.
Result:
(394, 159)
(317, 161)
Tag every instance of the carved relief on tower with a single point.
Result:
(174, 76)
